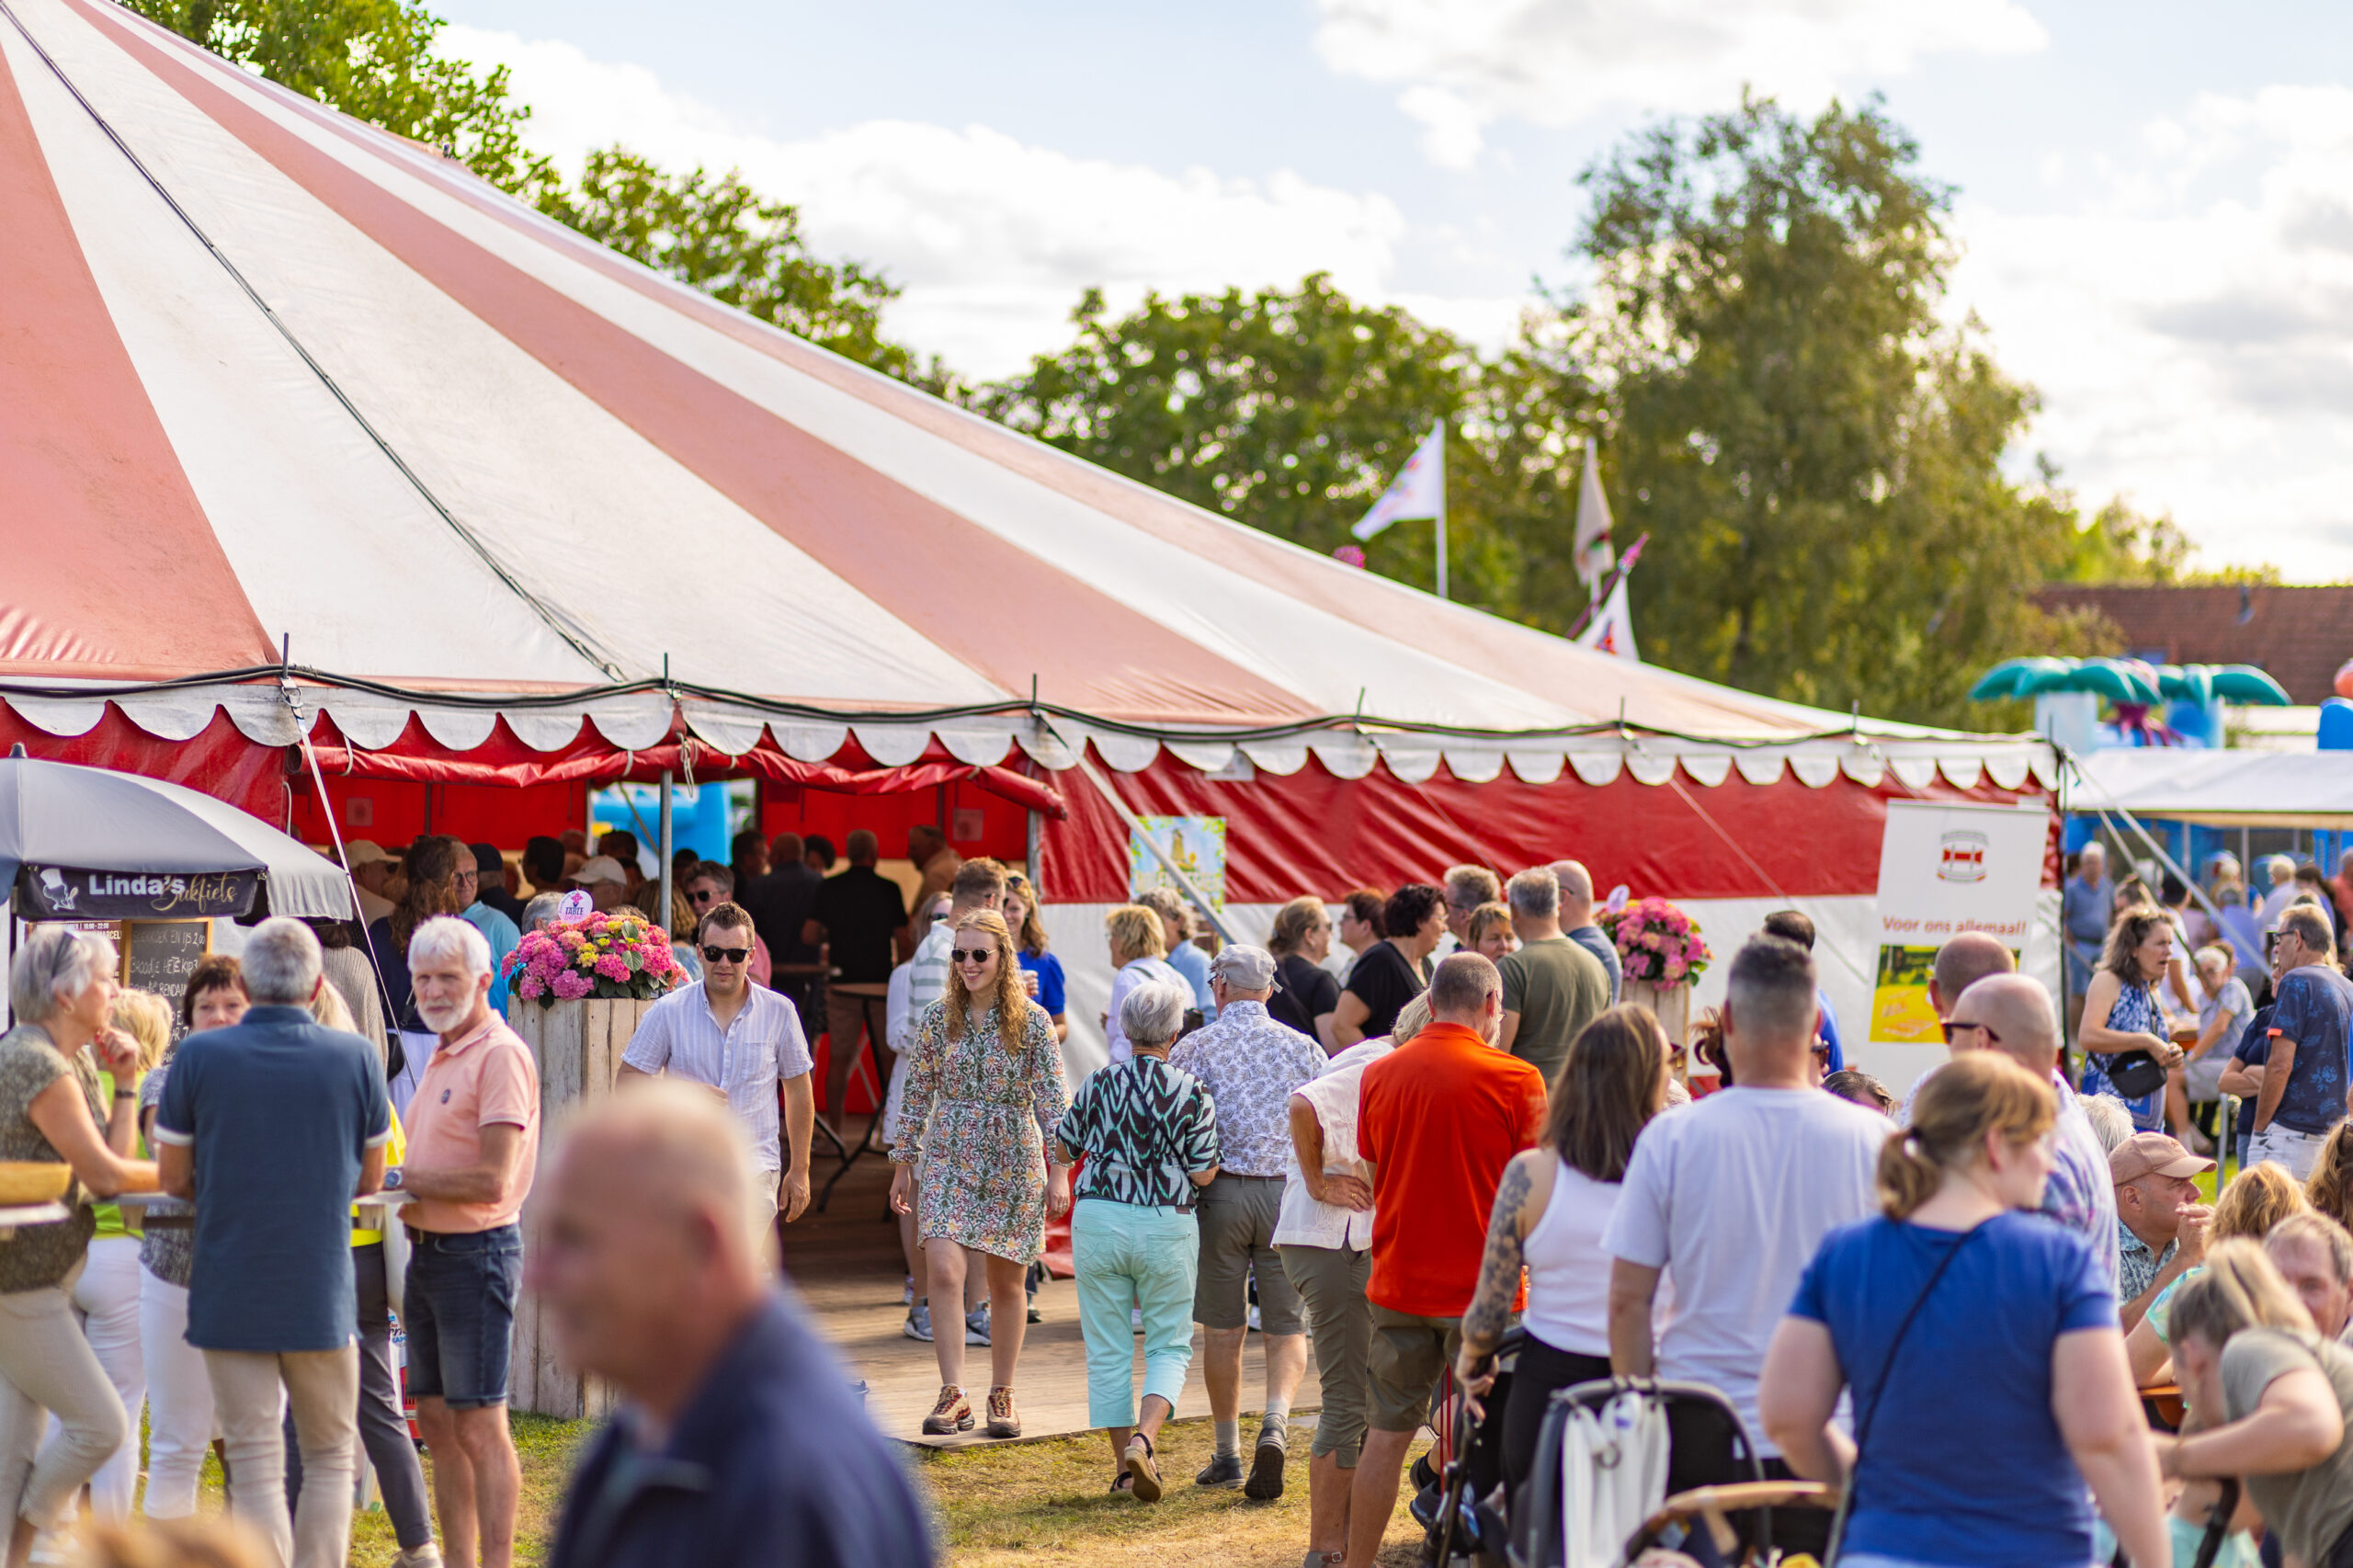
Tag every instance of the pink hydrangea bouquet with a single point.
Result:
(598, 955)
(1657, 943)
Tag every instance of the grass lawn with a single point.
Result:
(544, 1445)
(998, 1506)
(1046, 1502)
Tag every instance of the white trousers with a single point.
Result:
(2284, 1146)
(106, 1303)
(180, 1424)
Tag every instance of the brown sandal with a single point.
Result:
(1004, 1421)
(1142, 1472)
(953, 1414)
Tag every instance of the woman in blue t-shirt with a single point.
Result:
(1030, 936)
(1981, 1343)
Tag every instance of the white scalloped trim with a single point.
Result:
(1704, 769)
(543, 731)
(1651, 769)
(1204, 756)
(1814, 771)
(1343, 757)
(2045, 768)
(977, 746)
(62, 717)
(1045, 748)
(458, 728)
(1479, 765)
(1281, 758)
(261, 717)
(893, 745)
(1410, 763)
(633, 723)
(807, 740)
(1759, 767)
(1914, 772)
(1598, 767)
(1537, 766)
(1125, 754)
(1962, 772)
(730, 733)
(368, 722)
(2008, 770)
(1864, 769)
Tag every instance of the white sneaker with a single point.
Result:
(976, 1325)
(918, 1324)
(425, 1556)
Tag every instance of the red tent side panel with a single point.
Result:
(1312, 833)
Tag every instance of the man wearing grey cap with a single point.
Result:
(1250, 1064)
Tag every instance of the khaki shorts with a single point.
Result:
(1331, 1281)
(1408, 1357)
(1237, 1217)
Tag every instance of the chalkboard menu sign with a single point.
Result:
(159, 955)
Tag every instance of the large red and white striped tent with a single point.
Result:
(307, 433)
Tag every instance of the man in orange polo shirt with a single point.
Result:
(1437, 1119)
(473, 1143)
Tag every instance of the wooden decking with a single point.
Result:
(847, 1266)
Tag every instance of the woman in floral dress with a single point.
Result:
(983, 1095)
(2123, 999)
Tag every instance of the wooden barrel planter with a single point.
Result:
(578, 1046)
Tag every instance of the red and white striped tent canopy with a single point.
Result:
(276, 383)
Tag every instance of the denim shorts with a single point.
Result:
(461, 1314)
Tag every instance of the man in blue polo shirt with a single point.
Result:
(273, 1125)
(739, 1444)
(2304, 1082)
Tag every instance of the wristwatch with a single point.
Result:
(392, 1179)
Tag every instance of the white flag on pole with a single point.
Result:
(1593, 555)
(1612, 629)
(1418, 491)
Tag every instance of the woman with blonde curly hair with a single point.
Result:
(985, 1093)
(2329, 1189)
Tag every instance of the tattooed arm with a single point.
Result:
(1518, 1206)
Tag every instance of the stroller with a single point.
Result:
(1596, 1493)
(1459, 1484)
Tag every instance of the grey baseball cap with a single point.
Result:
(1246, 968)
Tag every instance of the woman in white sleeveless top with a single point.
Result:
(1551, 1210)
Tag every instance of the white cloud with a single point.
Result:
(993, 239)
(2192, 334)
(1469, 62)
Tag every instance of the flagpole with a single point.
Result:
(1438, 435)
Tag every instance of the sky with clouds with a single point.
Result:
(2155, 203)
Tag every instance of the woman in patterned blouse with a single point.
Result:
(1148, 1134)
(983, 1094)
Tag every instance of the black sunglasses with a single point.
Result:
(730, 955)
(1950, 1025)
(973, 955)
(704, 897)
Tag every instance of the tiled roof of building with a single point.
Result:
(2298, 635)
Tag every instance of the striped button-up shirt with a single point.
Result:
(748, 1059)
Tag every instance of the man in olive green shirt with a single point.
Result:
(1553, 987)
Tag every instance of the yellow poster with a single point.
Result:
(1900, 1011)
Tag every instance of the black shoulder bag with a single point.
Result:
(1887, 1370)
(2134, 1073)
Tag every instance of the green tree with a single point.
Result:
(2117, 544)
(722, 237)
(1290, 410)
(375, 61)
(1814, 450)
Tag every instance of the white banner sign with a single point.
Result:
(1943, 869)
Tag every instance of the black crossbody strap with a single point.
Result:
(1887, 1370)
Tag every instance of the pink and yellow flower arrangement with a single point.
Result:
(1657, 943)
(600, 955)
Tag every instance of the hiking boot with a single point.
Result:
(1143, 1475)
(1003, 1420)
(918, 1324)
(953, 1414)
(1224, 1469)
(976, 1325)
(1265, 1483)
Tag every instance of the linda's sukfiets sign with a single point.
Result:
(1943, 869)
(66, 892)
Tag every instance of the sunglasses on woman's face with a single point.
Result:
(973, 955)
(726, 955)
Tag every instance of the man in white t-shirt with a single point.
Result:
(1732, 1194)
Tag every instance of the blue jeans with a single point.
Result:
(1130, 1255)
(461, 1314)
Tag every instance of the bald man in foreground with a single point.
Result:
(740, 1443)
(2012, 1014)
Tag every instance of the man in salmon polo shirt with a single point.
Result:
(474, 1144)
(1437, 1119)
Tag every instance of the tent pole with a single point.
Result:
(1035, 858)
(664, 918)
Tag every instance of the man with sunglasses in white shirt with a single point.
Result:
(744, 1043)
